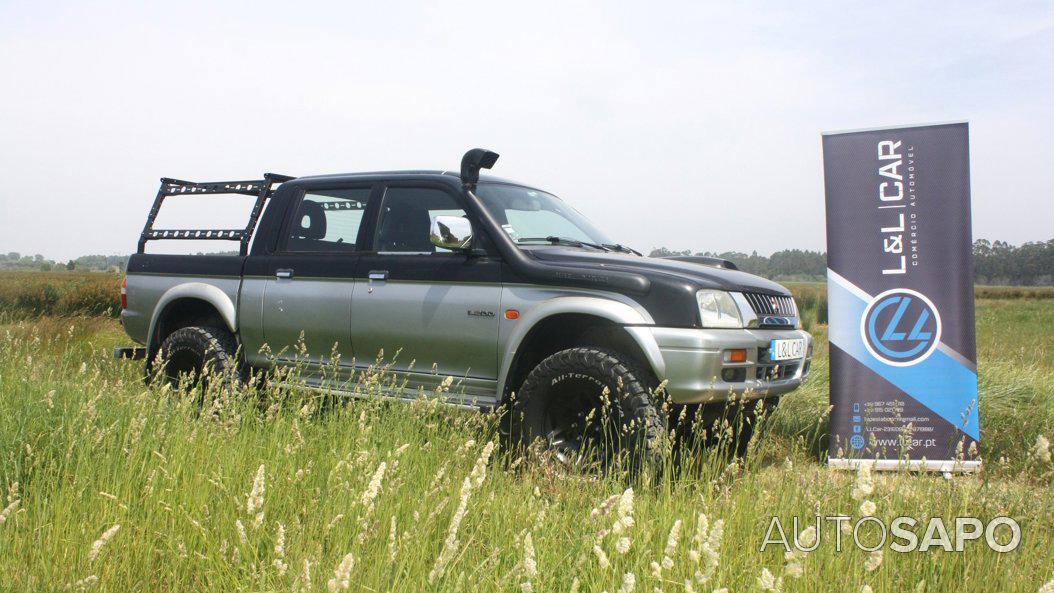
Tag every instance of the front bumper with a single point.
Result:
(694, 361)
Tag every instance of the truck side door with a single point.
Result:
(305, 287)
(426, 308)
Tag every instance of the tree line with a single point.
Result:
(996, 263)
(96, 263)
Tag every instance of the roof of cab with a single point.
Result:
(402, 175)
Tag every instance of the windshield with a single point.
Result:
(532, 216)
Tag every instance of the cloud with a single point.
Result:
(682, 124)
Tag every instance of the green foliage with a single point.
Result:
(1031, 264)
(100, 263)
(33, 294)
(238, 496)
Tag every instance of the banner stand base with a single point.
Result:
(930, 465)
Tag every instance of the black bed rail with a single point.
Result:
(261, 188)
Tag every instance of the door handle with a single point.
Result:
(284, 273)
(375, 276)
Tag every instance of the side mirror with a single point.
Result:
(451, 232)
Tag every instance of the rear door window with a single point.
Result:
(328, 220)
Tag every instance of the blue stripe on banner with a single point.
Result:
(940, 382)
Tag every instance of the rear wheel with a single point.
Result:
(589, 407)
(191, 355)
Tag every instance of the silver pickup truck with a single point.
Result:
(500, 285)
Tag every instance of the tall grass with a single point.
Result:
(121, 487)
(34, 294)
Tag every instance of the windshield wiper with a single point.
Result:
(553, 239)
(622, 248)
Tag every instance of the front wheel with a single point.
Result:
(590, 407)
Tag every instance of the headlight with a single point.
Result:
(717, 309)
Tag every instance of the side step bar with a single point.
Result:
(129, 352)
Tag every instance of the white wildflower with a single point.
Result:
(673, 539)
(374, 487)
(874, 560)
(530, 564)
(807, 537)
(84, 584)
(1042, 449)
(305, 577)
(864, 484)
(279, 550)
(624, 512)
(333, 522)
(102, 541)
(341, 575)
(9, 510)
(241, 531)
(866, 589)
(867, 508)
(393, 542)
(451, 543)
(255, 499)
(629, 582)
(622, 545)
(602, 558)
(707, 542)
(604, 507)
(769, 583)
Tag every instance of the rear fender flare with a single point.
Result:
(198, 291)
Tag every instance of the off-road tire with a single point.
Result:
(192, 350)
(642, 437)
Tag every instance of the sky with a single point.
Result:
(690, 125)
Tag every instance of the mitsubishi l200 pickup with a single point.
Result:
(500, 285)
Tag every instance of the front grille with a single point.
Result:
(764, 304)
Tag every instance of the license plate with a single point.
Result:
(787, 349)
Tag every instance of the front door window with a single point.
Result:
(406, 216)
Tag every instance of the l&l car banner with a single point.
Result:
(900, 297)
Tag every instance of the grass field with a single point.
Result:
(113, 486)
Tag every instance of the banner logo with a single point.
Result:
(901, 327)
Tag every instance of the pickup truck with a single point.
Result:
(500, 285)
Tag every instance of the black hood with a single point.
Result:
(661, 269)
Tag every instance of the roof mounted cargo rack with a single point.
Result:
(261, 188)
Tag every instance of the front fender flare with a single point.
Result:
(631, 319)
